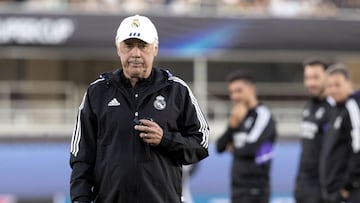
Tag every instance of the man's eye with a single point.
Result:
(143, 46)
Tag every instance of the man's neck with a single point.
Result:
(133, 81)
(321, 96)
(253, 103)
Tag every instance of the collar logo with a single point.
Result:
(160, 103)
(135, 23)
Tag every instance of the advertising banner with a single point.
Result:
(182, 37)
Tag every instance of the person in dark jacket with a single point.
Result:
(351, 129)
(313, 127)
(136, 127)
(337, 154)
(250, 136)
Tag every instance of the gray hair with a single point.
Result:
(339, 68)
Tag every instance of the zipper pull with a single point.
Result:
(136, 118)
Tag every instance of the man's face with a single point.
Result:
(240, 91)
(314, 80)
(137, 57)
(338, 87)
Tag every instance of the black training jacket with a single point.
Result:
(340, 164)
(315, 120)
(253, 143)
(111, 163)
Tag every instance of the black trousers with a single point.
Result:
(354, 196)
(308, 192)
(256, 199)
(251, 195)
(336, 198)
(309, 200)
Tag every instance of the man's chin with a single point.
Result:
(136, 66)
(139, 75)
(314, 93)
(238, 102)
(136, 71)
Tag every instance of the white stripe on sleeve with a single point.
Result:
(262, 120)
(75, 140)
(204, 128)
(354, 114)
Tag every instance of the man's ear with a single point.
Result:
(351, 85)
(118, 50)
(156, 50)
(253, 87)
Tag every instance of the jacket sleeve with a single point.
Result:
(351, 127)
(224, 140)
(82, 153)
(190, 144)
(259, 140)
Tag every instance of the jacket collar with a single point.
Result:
(126, 81)
(158, 76)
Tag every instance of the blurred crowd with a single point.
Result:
(288, 8)
(129, 6)
(281, 8)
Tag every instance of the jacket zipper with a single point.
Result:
(136, 120)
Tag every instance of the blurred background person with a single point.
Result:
(351, 129)
(250, 136)
(314, 121)
(334, 161)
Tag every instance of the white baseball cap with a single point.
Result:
(136, 26)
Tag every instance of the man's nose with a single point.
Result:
(136, 51)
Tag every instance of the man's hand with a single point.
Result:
(344, 194)
(237, 115)
(230, 148)
(151, 132)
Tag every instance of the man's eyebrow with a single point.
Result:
(129, 43)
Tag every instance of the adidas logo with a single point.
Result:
(114, 102)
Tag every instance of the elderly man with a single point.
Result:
(136, 127)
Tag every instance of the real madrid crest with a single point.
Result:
(135, 23)
(160, 103)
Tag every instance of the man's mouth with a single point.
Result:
(137, 64)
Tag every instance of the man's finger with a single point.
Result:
(142, 128)
(144, 135)
(147, 122)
